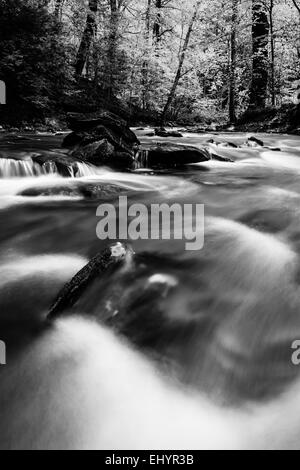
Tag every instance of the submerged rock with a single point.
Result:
(102, 191)
(165, 133)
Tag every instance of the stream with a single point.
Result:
(198, 350)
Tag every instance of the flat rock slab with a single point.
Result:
(170, 155)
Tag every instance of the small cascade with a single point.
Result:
(10, 168)
(142, 159)
(83, 170)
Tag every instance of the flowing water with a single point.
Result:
(179, 350)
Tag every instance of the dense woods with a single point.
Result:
(179, 61)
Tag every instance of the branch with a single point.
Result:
(296, 5)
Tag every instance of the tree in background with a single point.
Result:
(260, 55)
(181, 62)
(146, 60)
(232, 67)
(31, 43)
(87, 37)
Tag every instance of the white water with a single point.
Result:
(11, 168)
(79, 386)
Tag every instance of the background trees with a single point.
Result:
(157, 57)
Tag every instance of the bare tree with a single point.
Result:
(87, 37)
(296, 5)
(145, 67)
(180, 65)
(272, 64)
(232, 71)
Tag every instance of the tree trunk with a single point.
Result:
(232, 72)
(260, 56)
(157, 22)
(112, 47)
(145, 69)
(181, 62)
(297, 94)
(58, 9)
(272, 65)
(87, 38)
(297, 5)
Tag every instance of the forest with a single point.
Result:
(209, 63)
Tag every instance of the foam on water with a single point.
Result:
(282, 159)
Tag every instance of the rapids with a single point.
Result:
(198, 352)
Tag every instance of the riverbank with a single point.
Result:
(283, 120)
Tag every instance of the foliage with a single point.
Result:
(133, 52)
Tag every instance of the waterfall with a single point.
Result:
(10, 168)
(83, 169)
(142, 159)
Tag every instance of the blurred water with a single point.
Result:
(207, 356)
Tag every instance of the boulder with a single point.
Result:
(102, 139)
(65, 165)
(86, 123)
(172, 155)
(103, 153)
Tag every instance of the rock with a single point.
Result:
(102, 139)
(103, 153)
(64, 163)
(103, 191)
(87, 123)
(171, 155)
(228, 145)
(96, 152)
(113, 256)
(256, 141)
(150, 134)
(219, 158)
(164, 133)
(72, 140)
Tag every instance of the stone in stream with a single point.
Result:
(102, 139)
(113, 256)
(86, 190)
(63, 163)
(254, 140)
(165, 133)
(103, 153)
(219, 158)
(167, 155)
